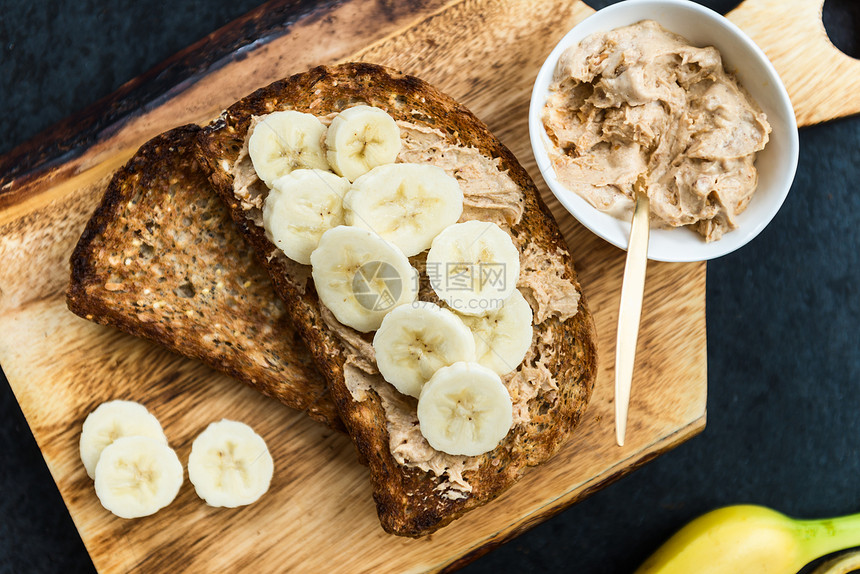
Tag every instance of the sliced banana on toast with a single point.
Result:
(284, 141)
(408, 204)
(111, 421)
(300, 207)
(361, 138)
(360, 277)
(464, 409)
(473, 267)
(230, 465)
(137, 476)
(504, 336)
(417, 340)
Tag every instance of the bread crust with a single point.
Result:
(161, 259)
(406, 499)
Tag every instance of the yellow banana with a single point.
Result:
(740, 539)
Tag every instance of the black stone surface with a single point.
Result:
(783, 360)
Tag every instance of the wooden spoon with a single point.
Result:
(630, 310)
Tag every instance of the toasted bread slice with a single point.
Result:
(161, 259)
(412, 498)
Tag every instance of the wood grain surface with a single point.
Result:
(319, 511)
(822, 81)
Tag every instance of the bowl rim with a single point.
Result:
(581, 210)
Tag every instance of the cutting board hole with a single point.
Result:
(842, 23)
(721, 6)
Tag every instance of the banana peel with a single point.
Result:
(748, 538)
(841, 564)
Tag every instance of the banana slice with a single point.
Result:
(302, 206)
(465, 409)
(230, 465)
(137, 476)
(406, 203)
(361, 138)
(360, 277)
(111, 421)
(473, 267)
(284, 141)
(417, 340)
(504, 336)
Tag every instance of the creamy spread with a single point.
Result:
(489, 194)
(640, 108)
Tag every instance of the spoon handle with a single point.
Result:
(629, 312)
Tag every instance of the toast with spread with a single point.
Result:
(161, 259)
(417, 487)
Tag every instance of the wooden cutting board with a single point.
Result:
(319, 515)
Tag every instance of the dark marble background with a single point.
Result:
(783, 313)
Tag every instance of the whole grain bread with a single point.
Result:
(161, 259)
(409, 501)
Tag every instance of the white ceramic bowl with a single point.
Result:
(776, 164)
